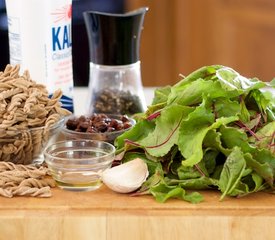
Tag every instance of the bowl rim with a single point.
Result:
(48, 155)
(68, 131)
(60, 123)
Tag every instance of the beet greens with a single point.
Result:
(214, 129)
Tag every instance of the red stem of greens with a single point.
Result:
(168, 138)
(272, 139)
(153, 116)
(131, 142)
(242, 125)
(258, 117)
(199, 170)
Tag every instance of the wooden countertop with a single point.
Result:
(103, 214)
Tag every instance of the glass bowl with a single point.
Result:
(25, 146)
(77, 165)
(106, 136)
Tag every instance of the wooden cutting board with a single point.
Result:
(103, 214)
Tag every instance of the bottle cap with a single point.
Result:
(114, 39)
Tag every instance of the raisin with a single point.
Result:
(98, 123)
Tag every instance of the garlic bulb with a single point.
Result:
(126, 177)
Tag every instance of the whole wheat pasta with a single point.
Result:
(16, 101)
(6, 72)
(9, 177)
(19, 176)
(19, 156)
(24, 105)
(8, 148)
(21, 82)
(5, 86)
(22, 180)
(6, 123)
(9, 93)
(35, 122)
(9, 166)
(6, 79)
(44, 94)
(31, 101)
(6, 157)
(51, 120)
(39, 111)
(20, 126)
(33, 192)
(37, 142)
(38, 183)
(8, 185)
(55, 98)
(5, 193)
(3, 105)
(28, 147)
(14, 71)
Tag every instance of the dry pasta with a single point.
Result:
(25, 105)
(21, 180)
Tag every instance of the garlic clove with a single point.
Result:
(126, 177)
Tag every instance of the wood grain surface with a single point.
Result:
(103, 214)
(180, 36)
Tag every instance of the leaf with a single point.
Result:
(265, 136)
(162, 192)
(193, 131)
(140, 130)
(258, 181)
(232, 80)
(209, 160)
(152, 109)
(213, 140)
(231, 137)
(250, 184)
(194, 183)
(166, 132)
(192, 94)
(205, 72)
(231, 174)
(152, 181)
(264, 170)
(225, 107)
(193, 197)
(261, 99)
(265, 156)
(187, 172)
(244, 114)
(161, 95)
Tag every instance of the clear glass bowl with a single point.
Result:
(26, 146)
(101, 136)
(77, 165)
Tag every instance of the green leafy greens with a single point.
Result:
(214, 129)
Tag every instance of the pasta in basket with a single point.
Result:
(27, 116)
